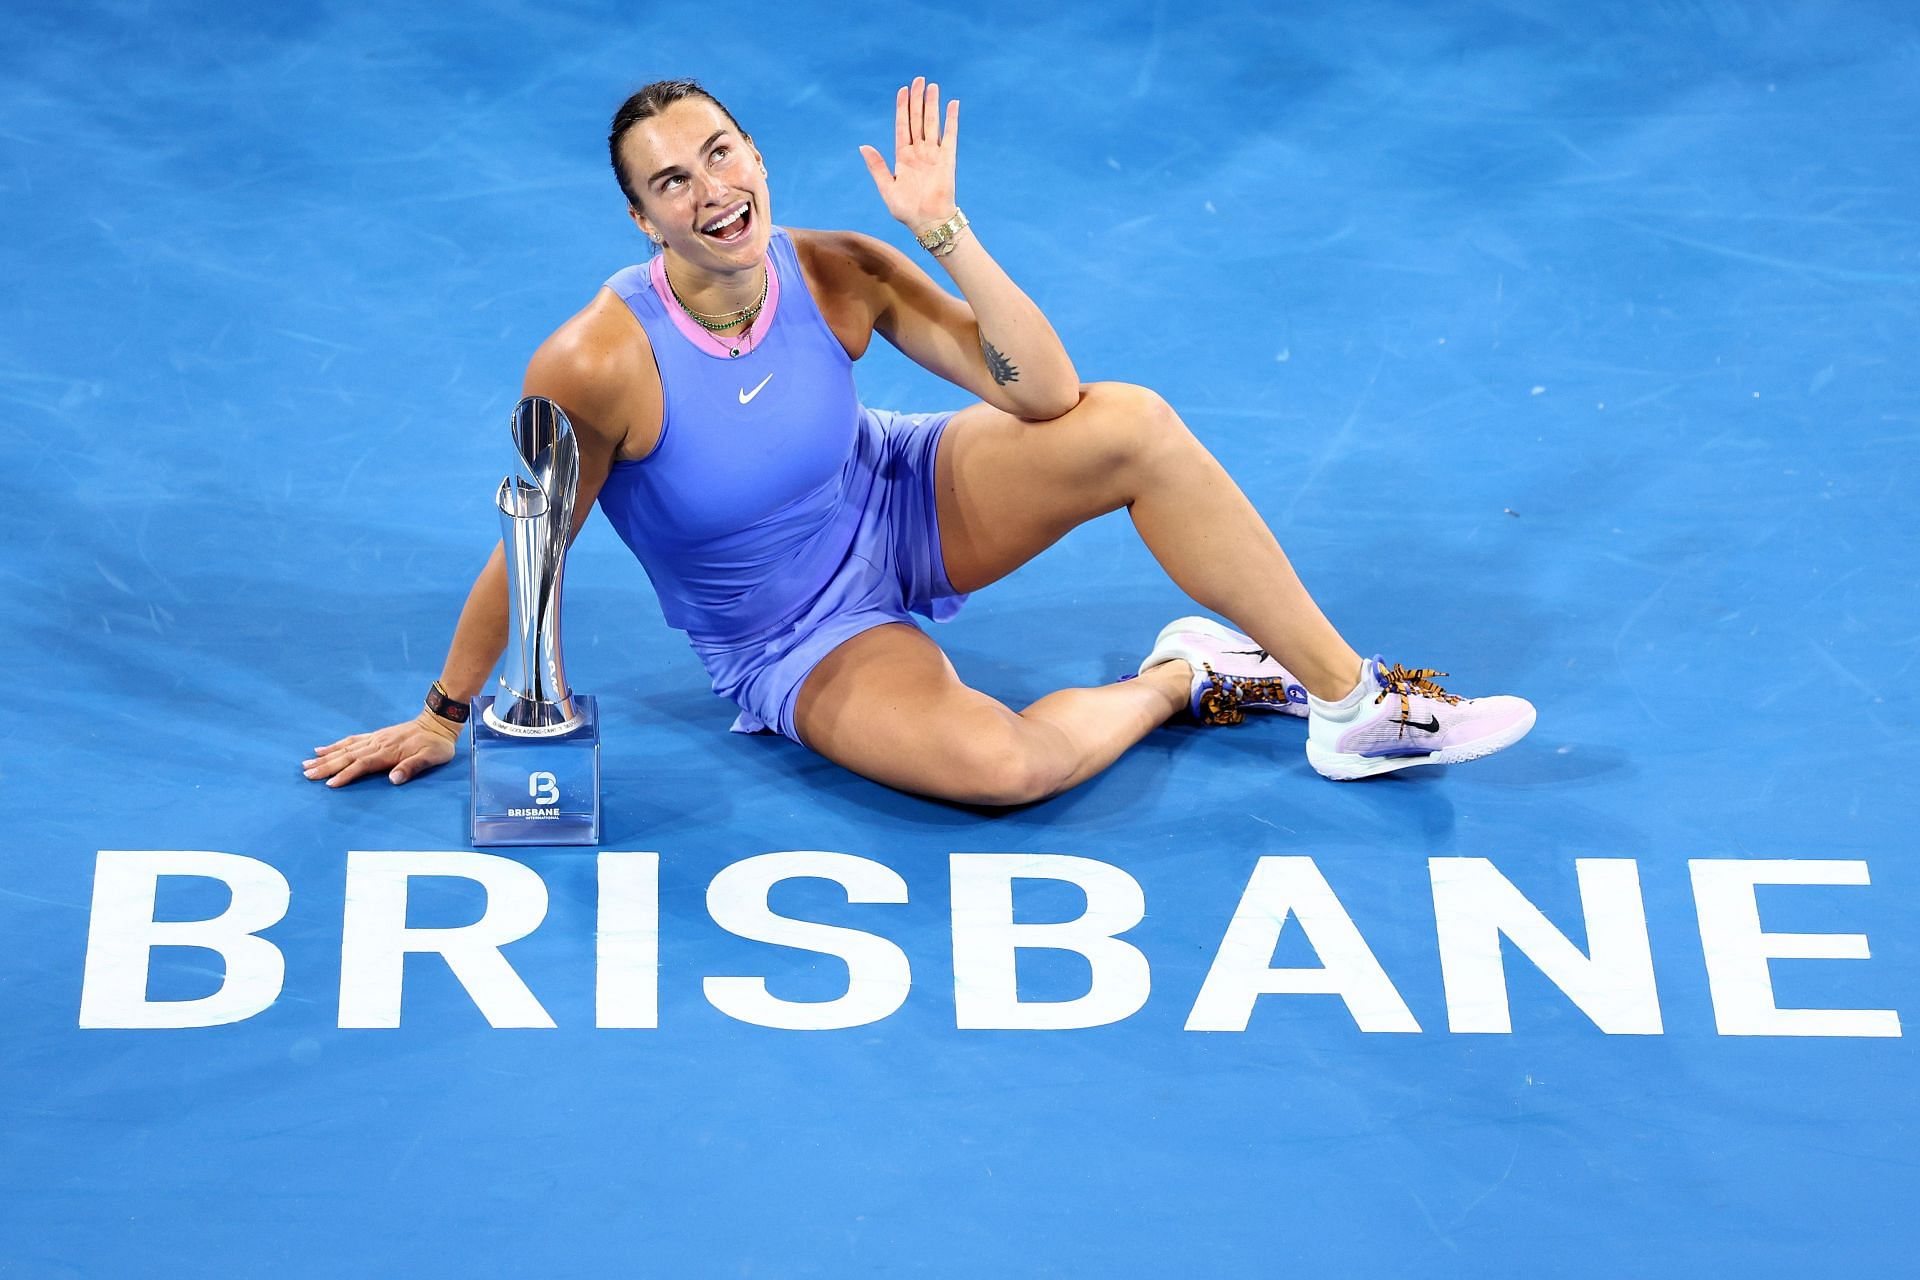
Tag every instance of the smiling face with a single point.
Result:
(700, 186)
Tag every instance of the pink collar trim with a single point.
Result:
(703, 341)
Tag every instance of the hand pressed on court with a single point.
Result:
(401, 751)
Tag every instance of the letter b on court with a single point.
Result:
(123, 933)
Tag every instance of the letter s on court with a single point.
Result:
(878, 974)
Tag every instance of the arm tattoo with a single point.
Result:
(998, 365)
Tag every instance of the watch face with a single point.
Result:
(445, 707)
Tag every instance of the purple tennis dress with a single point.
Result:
(777, 516)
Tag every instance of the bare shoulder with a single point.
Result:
(849, 259)
(599, 367)
(850, 276)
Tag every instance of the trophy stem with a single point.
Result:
(536, 522)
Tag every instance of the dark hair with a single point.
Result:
(644, 105)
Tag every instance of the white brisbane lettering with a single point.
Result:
(1480, 917)
(1737, 949)
(1474, 906)
(986, 942)
(376, 939)
(1293, 886)
(878, 976)
(627, 941)
(122, 935)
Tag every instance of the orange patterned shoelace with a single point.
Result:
(1407, 684)
(1222, 702)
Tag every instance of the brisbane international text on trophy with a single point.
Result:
(536, 745)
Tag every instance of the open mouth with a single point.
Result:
(730, 227)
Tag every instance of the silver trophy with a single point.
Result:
(536, 745)
(536, 520)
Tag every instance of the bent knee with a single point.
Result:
(1130, 403)
(1134, 430)
(1006, 766)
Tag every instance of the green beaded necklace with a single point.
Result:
(713, 324)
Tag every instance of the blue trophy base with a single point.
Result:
(543, 791)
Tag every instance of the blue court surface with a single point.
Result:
(1569, 348)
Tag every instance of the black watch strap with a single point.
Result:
(444, 705)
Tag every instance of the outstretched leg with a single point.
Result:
(887, 705)
(1008, 489)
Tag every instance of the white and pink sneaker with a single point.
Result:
(1396, 719)
(1231, 674)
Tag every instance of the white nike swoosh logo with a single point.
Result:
(746, 396)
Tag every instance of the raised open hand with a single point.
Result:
(919, 189)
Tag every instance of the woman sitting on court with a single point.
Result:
(790, 531)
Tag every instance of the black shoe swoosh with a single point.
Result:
(1431, 724)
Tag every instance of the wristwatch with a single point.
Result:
(940, 238)
(444, 705)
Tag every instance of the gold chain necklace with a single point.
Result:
(726, 320)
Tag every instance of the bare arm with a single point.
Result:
(573, 374)
(992, 340)
(480, 637)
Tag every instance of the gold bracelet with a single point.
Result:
(939, 239)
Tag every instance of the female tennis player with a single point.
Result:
(791, 532)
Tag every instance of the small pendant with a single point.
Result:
(736, 351)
